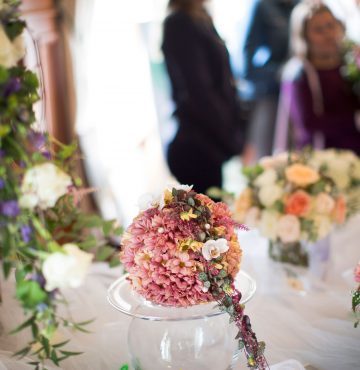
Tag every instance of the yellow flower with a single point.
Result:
(301, 175)
(187, 216)
(228, 290)
(167, 196)
(220, 230)
(187, 244)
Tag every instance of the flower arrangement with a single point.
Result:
(182, 250)
(356, 296)
(291, 198)
(45, 238)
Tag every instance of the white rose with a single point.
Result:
(62, 270)
(213, 248)
(323, 226)
(324, 203)
(268, 224)
(10, 51)
(252, 217)
(268, 177)
(338, 171)
(288, 229)
(43, 185)
(269, 194)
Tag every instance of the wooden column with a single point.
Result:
(45, 24)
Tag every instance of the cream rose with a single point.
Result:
(10, 51)
(43, 185)
(289, 229)
(63, 270)
(324, 203)
(213, 248)
(323, 226)
(268, 224)
(242, 204)
(268, 177)
(268, 195)
(301, 175)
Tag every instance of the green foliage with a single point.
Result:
(28, 236)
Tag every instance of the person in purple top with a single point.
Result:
(315, 98)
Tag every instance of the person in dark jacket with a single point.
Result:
(203, 88)
(264, 53)
(320, 104)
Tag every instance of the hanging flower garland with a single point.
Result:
(44, 237)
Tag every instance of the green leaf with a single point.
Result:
(23, 325)
(103, 253)
(22, 353)
(4, 130)
(107, 227)
(54, 358)
(70, 353)
(61, 344)
(7, 268)
(203, 276)
(88, 243)
(29, 293)
(124, 367)
(115, 261)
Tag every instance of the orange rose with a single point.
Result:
(301, 175)
(298, 203)
(242, 204)
(339, 212)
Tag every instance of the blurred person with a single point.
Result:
(265, 51)
(207, 108)
(316, 99)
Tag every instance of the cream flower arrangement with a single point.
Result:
(290, 201)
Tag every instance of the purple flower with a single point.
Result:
(41, 307)
(46, 154)
(22, 164)
(39, 278)
(37, 139)
(12, 87)
(10, 208)
(2, 183)
(26, 233)
(2, 153)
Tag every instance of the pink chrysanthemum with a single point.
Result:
(162, 249)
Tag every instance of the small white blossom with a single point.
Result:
(213, 248)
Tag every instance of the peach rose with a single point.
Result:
(289, 229)
(242, 204)
(324, 203)
(339, 212)
(298, 203)
(301, 175)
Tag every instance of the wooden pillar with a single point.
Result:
(45, 25)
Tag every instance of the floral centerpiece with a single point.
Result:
(182, 250)
(291, 201)
(355, 304)
(45, 239)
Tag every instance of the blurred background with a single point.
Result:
(106, 84)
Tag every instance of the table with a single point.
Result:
(313, 327)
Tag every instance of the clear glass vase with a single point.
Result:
(293, 253)
(194, 338)
(304, 263)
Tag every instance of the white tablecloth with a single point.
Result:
(313, 328)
